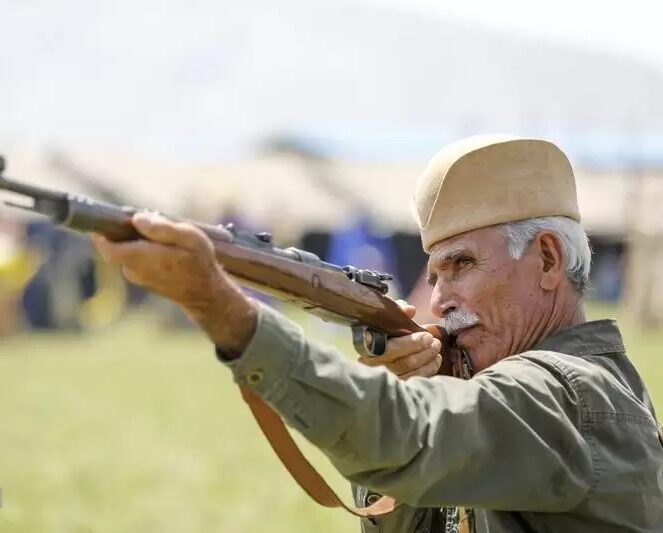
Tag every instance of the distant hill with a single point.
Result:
(203, 79)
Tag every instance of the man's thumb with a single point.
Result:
(409, 310)
(154, 227)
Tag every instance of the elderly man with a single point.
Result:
(552, 431)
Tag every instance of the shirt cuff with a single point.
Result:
(275, 348)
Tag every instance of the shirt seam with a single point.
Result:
(601, 349)
(574, 381)
(621, 418)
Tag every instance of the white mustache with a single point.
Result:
(458, 320)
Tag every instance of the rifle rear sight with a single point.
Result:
(369, 278)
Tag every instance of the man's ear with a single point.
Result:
(551, 254)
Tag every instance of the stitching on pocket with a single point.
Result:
(620, 418)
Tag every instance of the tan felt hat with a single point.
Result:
(486, 180)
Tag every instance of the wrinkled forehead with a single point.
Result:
(479, 242)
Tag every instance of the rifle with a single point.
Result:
(345, 295)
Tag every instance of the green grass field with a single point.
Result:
(136, 430)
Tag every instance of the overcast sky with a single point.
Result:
(207, 78)
(633, 27)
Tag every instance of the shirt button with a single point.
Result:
(255, 377)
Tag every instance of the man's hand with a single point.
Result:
(177, 261)
(417, 354)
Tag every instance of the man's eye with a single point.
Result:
(463, 262)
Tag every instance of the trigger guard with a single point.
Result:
(368, 342)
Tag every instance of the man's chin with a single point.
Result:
(464, 336)
(464, 341)
(481, 357)
(476, 354)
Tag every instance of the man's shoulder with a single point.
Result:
(596, 381)
(545, 370)
(582, 373)
(568, 365)
(561, 365)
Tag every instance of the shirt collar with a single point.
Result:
(590, 338)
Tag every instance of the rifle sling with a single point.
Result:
(299, 467)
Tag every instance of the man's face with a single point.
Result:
(475, 279)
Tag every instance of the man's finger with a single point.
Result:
(412, 362)
(435, 330)
(157, 228)
(399, 347)
(409, 310)
(101, 244)
(131, 276)
(116, 252)
(429, 370)
(132, 253)
(125, 253)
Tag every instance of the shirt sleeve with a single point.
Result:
(510, 438)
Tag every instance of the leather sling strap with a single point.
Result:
(466, 523)
(299, 467)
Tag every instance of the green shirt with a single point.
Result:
(561, 438)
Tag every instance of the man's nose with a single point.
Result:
(442, 304)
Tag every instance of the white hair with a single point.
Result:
(520, 234)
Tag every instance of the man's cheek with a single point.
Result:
(487, 352)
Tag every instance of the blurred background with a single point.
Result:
(311, 120)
